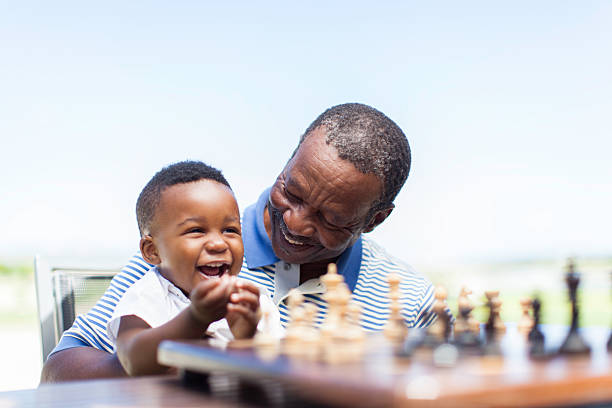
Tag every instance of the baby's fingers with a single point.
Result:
(211, 291)
(244, 285)
(246, 299)
(244, 311)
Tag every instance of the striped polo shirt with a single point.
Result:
(365, 267)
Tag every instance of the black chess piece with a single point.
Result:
(573, 343)
(491, 343)
(439, 332)
(609, 345)
(466, 338)
(535, 337)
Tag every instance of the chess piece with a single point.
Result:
(310, 341)
(496, 303)
(331, 280)
(609, 345)
(573, 343)
(354, 333)
(444, 354)
(440, 329)
(267, 346)
(294, 332)
(337, 296)
(466, 333)
(535, 337)
(526, 322)
(492, 327)
(335, 348)
(395, 330)
(464, 307)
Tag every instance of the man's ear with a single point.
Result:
(378, 218)
(149, 250)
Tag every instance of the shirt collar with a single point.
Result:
(169, 287)
(258, 250)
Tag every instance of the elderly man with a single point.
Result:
(340, 182)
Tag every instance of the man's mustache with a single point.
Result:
(285, 230)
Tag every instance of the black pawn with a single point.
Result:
(467, 338)
(609, 345)
(573, 343)
(535, 336)
(491, 345)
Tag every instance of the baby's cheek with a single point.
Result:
(235, 269)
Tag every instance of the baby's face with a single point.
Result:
(196, 230)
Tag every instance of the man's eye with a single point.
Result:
(291, 196)
(329, 225)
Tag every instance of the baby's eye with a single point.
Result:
(195, 230)
(232, 230)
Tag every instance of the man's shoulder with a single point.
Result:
(376, 256)
(90, 328)
(131, 273)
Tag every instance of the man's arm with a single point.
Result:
(80, 363)
(84, 351)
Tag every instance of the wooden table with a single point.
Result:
(160, 391)
(384, 379)
(239, 378)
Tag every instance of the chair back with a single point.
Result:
(65, 289)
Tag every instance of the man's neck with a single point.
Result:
(314, 270)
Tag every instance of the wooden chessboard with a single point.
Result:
(383, 378)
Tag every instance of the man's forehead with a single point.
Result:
(333, 186)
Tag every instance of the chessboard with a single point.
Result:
(387, 375)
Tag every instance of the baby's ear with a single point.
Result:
(149, 250)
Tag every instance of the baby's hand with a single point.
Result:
(242, 311)
(209, 300)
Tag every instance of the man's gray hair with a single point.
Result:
(371, 141)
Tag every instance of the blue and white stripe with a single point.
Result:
(371, 293)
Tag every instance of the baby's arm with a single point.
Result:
(243, 310)
(137, 342)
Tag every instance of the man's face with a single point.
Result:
(196, 233)
(318, 205)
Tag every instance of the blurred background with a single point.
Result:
(506, 107)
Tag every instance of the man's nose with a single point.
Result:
(299, 221)
(215, 243)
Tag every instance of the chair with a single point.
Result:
(64, 289)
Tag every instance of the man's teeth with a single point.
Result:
(290, 240)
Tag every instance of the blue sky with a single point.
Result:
(506, 107)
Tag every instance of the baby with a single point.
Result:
(190, 230)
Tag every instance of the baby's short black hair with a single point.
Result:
(178, 173)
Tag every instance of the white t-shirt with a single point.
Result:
(156, 300)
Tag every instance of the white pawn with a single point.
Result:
(267, 346)
(526, 322)
(438, 329)
(293, 335)
(395, 330)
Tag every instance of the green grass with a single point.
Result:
(594, 307)
(17, 294)
(520, 279)
(19, 268)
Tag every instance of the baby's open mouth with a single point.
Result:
(214, 269)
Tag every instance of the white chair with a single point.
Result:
(66, 288)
